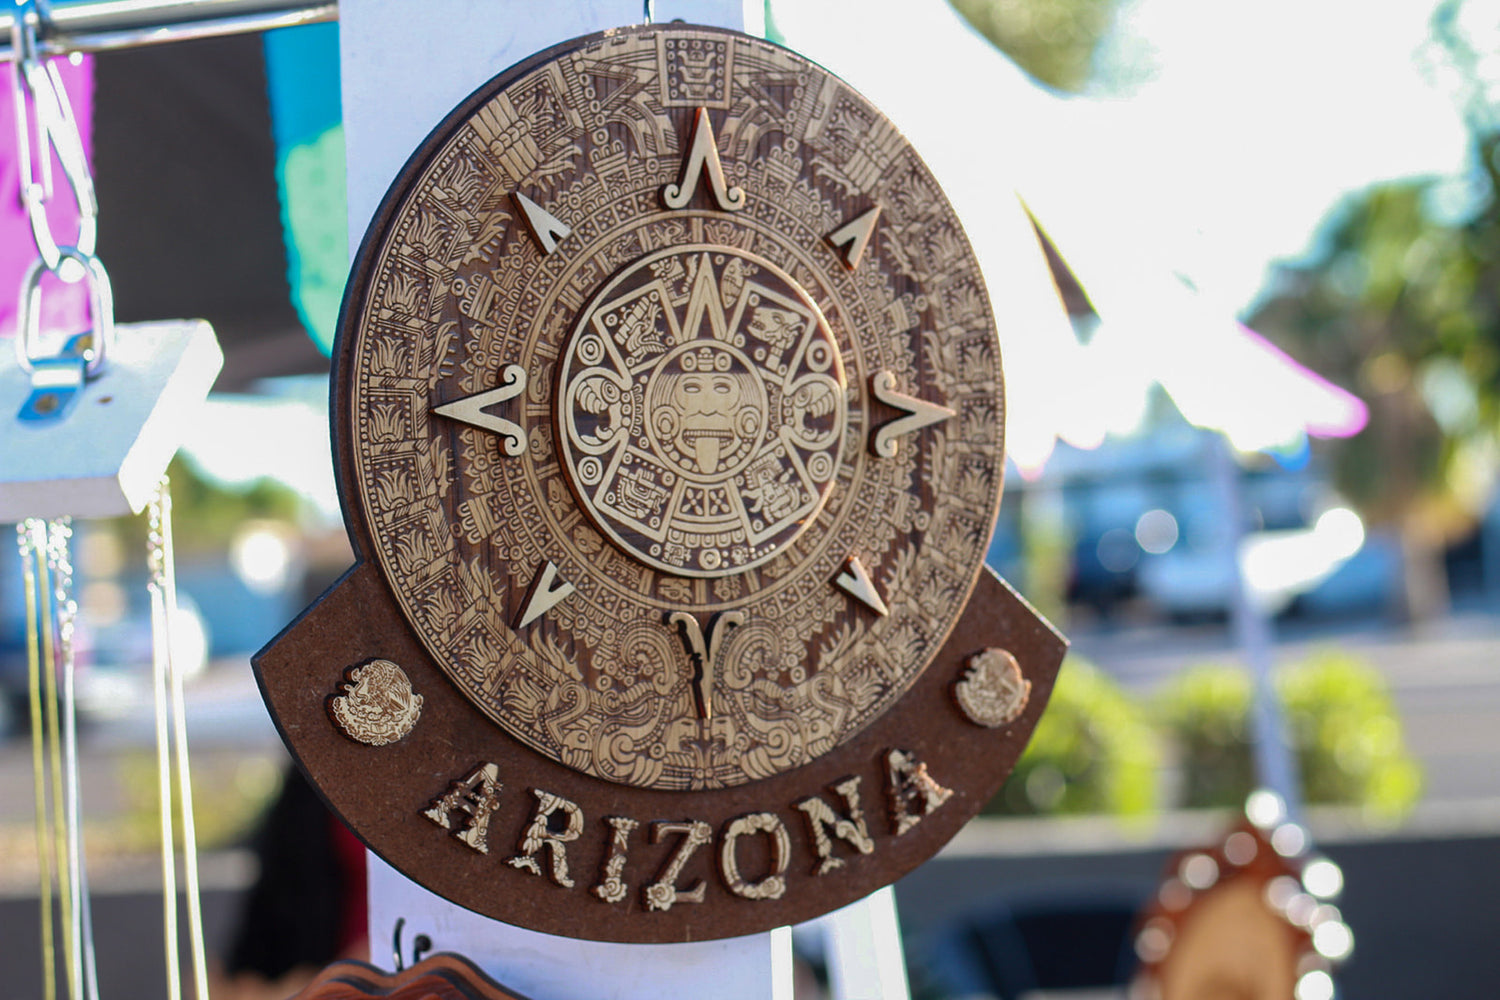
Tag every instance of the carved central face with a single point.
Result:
(702, 401)
(708, 409)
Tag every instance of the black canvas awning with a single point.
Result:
(189, 221)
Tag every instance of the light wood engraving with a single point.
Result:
(853, 237)
(681, 512)
(919, 414)
(612, 887)
(992, 691)
(772, 885)
(855, 581)
(703, 649)
(376, 705)
(850, 828)
(475, 796)
(703, 156)
(914, 794)
(703, 404)
(471, 410)
(540, 834)
(546, 228)
(545, 593)
(687, 414)
(664, 893)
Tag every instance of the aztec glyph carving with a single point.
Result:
(992, 691)
(669, 431)
(704, 275)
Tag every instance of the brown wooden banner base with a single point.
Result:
(455, 805)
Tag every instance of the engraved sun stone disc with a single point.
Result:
(618, 356)
(669, 428)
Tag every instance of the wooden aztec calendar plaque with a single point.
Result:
(669, 425)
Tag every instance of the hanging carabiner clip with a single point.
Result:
(56, 129)
(56, 379)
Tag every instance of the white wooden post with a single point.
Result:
(1275, 763)
(863, 945)
(547, 967)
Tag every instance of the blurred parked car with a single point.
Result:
(1148, 525)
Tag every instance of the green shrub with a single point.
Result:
(1093, 752)
(1205, 712)
(1339, 718)
(1348, 735)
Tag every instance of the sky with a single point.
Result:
(1216, 142)
(1257, 118)
(1213, 140)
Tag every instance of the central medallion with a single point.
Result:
(702, 400)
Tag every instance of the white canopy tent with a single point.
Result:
(989, 133)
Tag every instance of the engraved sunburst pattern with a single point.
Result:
(694, 434)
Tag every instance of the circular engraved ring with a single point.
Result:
(607, 425)
(706, 385)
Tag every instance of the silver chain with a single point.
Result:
(47, 571)
(45, 124)
(82, 973)
(172, 751)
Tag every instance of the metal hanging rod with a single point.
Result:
(97, 25)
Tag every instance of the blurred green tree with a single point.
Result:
(1053, 40)
(1401, 304)
(1094, 751)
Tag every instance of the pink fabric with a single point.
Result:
(64, 307)
(1327, 411)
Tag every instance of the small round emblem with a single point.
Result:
(376, 704)
(992, 691)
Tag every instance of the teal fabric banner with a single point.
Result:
(302, 73)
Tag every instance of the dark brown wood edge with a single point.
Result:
(444, 976)
(966, 636)
(379, 793)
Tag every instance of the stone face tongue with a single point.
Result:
(706, 449)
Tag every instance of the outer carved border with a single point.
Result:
(381, 792)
